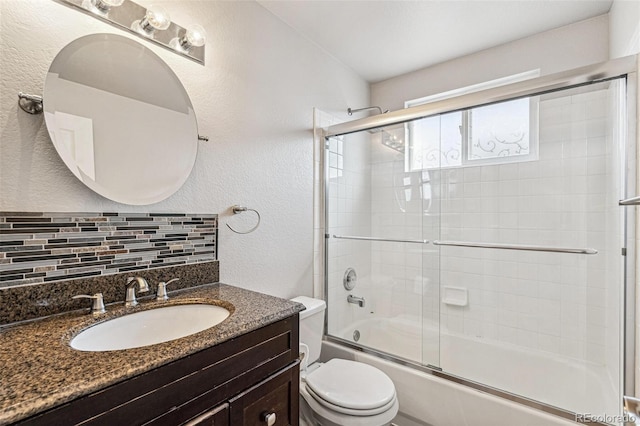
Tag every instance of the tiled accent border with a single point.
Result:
(44, 247)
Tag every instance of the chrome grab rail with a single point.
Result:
(634, 201)
(350, 237)
(516, 247)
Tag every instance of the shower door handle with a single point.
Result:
(516, 247)
(388, 240)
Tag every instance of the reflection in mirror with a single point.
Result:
(120, 119)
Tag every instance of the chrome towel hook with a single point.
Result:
(237, 209)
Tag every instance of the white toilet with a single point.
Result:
(339, 392)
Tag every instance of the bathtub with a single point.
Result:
(571, 385)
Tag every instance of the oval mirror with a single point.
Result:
(120, 119)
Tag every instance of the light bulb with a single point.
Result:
(156, 18)
(195, 36)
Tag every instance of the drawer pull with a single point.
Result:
(269, 418)
(200, 420)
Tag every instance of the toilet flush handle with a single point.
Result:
(269, 418)
(304, 357)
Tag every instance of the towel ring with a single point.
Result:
(240, 209)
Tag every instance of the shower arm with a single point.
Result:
(350, 111)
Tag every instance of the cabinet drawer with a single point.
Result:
(219, 416)
(277, 396)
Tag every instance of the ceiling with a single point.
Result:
(383, 39)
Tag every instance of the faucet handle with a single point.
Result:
(162, 290)
(98, 303)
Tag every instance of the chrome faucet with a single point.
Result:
(356, 300)
(143, 286)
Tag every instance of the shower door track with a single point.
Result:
(436, 372)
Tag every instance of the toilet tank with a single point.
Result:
(312, 325)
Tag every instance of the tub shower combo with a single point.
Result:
(481, 238)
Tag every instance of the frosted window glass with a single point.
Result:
(501, 133)
(500, 130)
(437, 141)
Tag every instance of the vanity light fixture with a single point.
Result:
(392, 141)
(104, 5)
(152, 23)
(156, 18)
(195, 36)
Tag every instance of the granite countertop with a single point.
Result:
(40, 370)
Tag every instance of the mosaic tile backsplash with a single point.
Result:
(44, 247)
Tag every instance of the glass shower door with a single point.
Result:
(486, 243)
(376, 232)
(532, 235)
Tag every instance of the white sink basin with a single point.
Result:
(149, 327)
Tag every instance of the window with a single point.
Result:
(500, 130)
(493, 134)
(504, 132)
(435, 141)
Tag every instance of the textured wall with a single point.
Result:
(563, 48)
(254, 100)
(624, 28)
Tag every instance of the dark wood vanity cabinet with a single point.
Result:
(218, 416)
(277, 397)
(252, 379)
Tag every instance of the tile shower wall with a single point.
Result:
(44, 247)
(397, 209)
(349, 214)
(556, 303)
(405, 205)
(321, 120)
(551, 302)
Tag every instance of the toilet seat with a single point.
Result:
(317, 413)
(351, 388)
(350, 411)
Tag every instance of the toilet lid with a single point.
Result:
(351, 384)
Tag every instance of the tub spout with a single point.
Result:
(356, 300)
